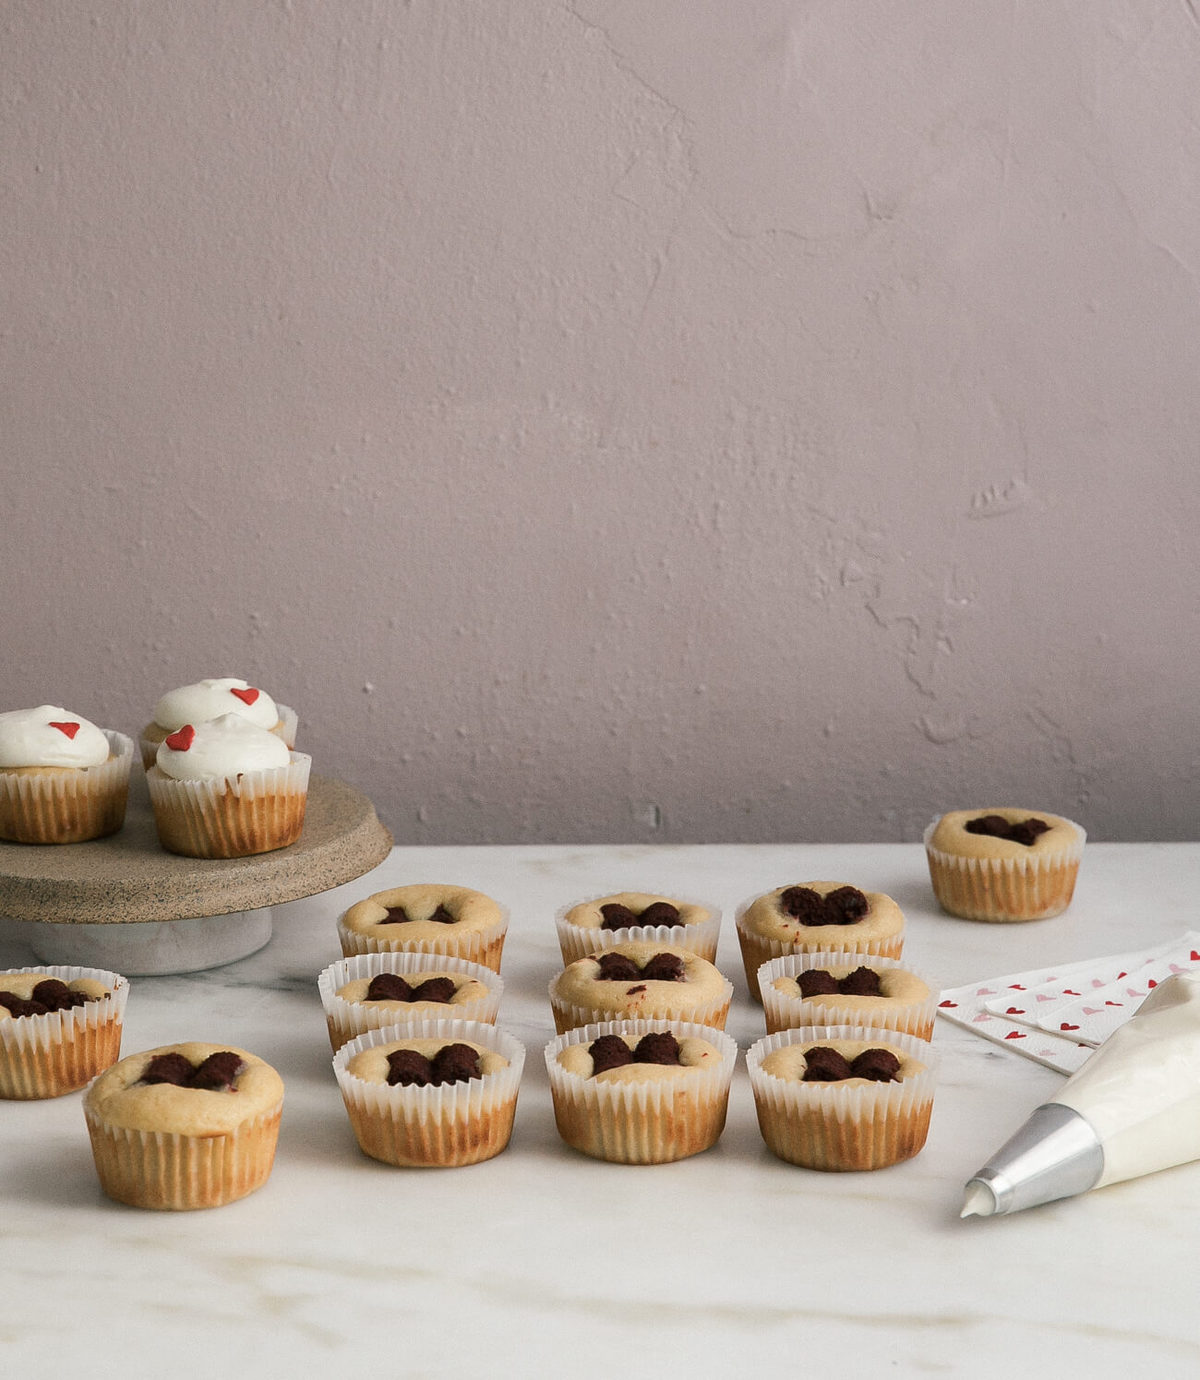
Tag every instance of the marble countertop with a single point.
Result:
(544, 1262)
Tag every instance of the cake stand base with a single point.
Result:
(151, 949)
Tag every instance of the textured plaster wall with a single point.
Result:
(659, 420)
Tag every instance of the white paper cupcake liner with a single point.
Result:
(578, 941)
(288, 726)
(68, 806)
(346, 1019)
(221, 817)
(455, 1124)
(1034, 886)
(169, 1171)
(654, 1122)
(849, 1125)
(758, 949)
(783, 1012)
(62, 1051)
(484, 946)
(568, 1016)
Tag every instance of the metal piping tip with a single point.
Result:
(1056, 1154)
(978, 1200)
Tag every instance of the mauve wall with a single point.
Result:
(650, 420)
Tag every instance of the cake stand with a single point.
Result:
(125, 905)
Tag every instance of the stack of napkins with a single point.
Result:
(1059, 1015)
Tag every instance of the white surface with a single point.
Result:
(542, 1262)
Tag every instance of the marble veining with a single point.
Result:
(542, 1261)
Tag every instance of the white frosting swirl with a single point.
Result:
(49, 736)
(209, 699)
(227, 747)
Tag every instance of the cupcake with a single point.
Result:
(836, 1098)
(641, 1092)
(846, 989)
(1003, 864)
(225, 789)
(813, 916)
(59, 1027)
(427, 918)
(368, 991)
(432, 1094)
(62, 779)
(640, 979)
(209, 699)
(184, 1126)
(590, 926)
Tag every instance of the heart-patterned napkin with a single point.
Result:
(1057, 1016)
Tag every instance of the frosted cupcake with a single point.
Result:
(427, 918)
(225, 789)
(808, 917)
(62, 779)
(640, 979)
(435, 1094)
(209, 699)
(641, 1092)
(829, 1098)
(369, 991)
(846, 989)
(184, 1126)
(59, 1027)
(590, 926)
(1003, 864)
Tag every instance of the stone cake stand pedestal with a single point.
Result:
(123, 904)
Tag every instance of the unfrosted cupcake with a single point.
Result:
(184, 1126)
(369, 991)
(209, 699)
(427, 918)
(640, 980)
(831, 1098)
(589, 926)
(62, 779)
(1004, 864)
(641, 1092)
(435, 1094)
(226, 789)
(59, 1027)
(808, 917)
(846, 989)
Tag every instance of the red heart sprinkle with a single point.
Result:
(247, 696)
(181, 739)
(1014, 1035)
(947, 1003)
(69, 729)
(1066, 1025)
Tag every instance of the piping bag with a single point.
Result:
(1132, 1109)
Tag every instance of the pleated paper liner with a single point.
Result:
(67, 805)
(783, 1010)
(849, 1125)
(346, 1019)
(652, 1122)
(426, 1127)
(1035, 886)
(219, 817)
(62, 1051)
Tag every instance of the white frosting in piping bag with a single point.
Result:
(1140, 1091)
(50, 737)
